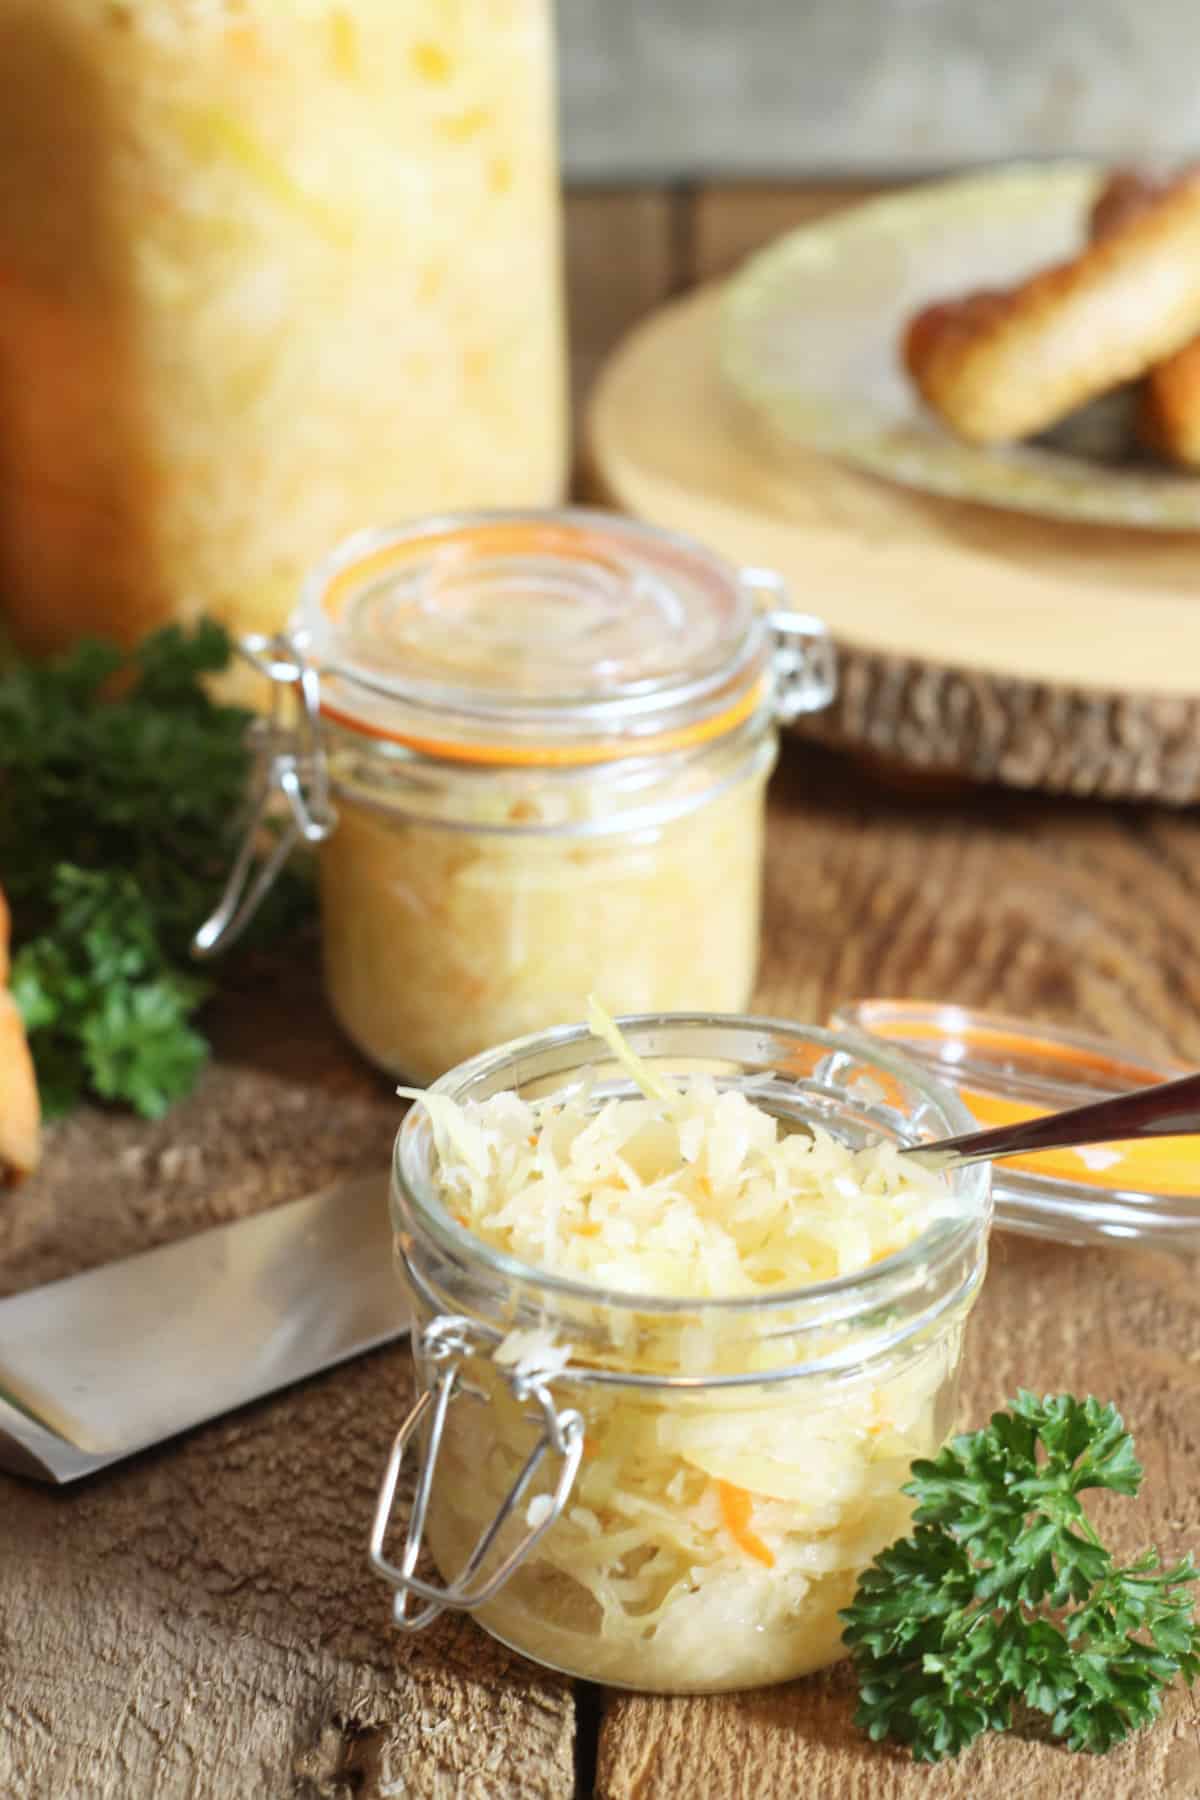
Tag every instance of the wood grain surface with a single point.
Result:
(200, 1623)
(1038, 652)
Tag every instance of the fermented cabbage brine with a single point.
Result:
(532, 750)
(269, 270)
(683, 1320)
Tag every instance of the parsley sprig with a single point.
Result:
(1005, 1598)
(103, 1005)
(121, 792)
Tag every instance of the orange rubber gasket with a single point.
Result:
(1167, 1165)
(560, 755)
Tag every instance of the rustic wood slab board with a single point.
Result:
(1000, 646)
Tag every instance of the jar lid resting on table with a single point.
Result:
(1005, 1070)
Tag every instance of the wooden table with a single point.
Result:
(201, 1622)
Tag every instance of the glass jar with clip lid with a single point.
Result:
(532, 751)
(673, 1489)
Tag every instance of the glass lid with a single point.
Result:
(1006, 1070)
(567, 636)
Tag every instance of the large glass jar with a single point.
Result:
(267, 270)
(543, 745)
(683, 1495)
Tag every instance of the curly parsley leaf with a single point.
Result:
(1004, 1598)
(104, 1008)
(120, 806)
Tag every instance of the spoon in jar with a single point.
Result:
(1166, 1109)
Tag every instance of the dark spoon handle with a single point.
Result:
(1167, 1109)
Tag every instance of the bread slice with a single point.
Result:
(1002, 366)
(1168, 417)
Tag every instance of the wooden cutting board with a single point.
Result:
(992, 644)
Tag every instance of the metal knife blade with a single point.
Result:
(106, 1363)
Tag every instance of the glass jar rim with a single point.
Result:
(941, 1239)
(678, 643)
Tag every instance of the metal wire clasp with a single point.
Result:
(805, 657)
(289, 761)
(446, 1343)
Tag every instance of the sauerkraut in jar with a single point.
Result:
(546, 741)
(269, 269)
(716, 1309)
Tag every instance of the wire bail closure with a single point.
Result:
(446, 1343)
(288, 760)
(805, 656)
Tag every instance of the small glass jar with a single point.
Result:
(533, 749)
(674, 1495)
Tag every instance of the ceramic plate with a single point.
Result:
(812, 324)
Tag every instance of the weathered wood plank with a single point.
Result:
(201, 1622)
(1066, 913)
(1057, 910)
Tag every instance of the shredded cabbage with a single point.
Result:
(712, 1534)
(441, 940)
(300, 275)
(689, 1191)
(604, 1026)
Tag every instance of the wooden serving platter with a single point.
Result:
(996, 645)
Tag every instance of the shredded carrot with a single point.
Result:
(589, 1229)
(590, 1446)
(533, 1138)
(736, 1506)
